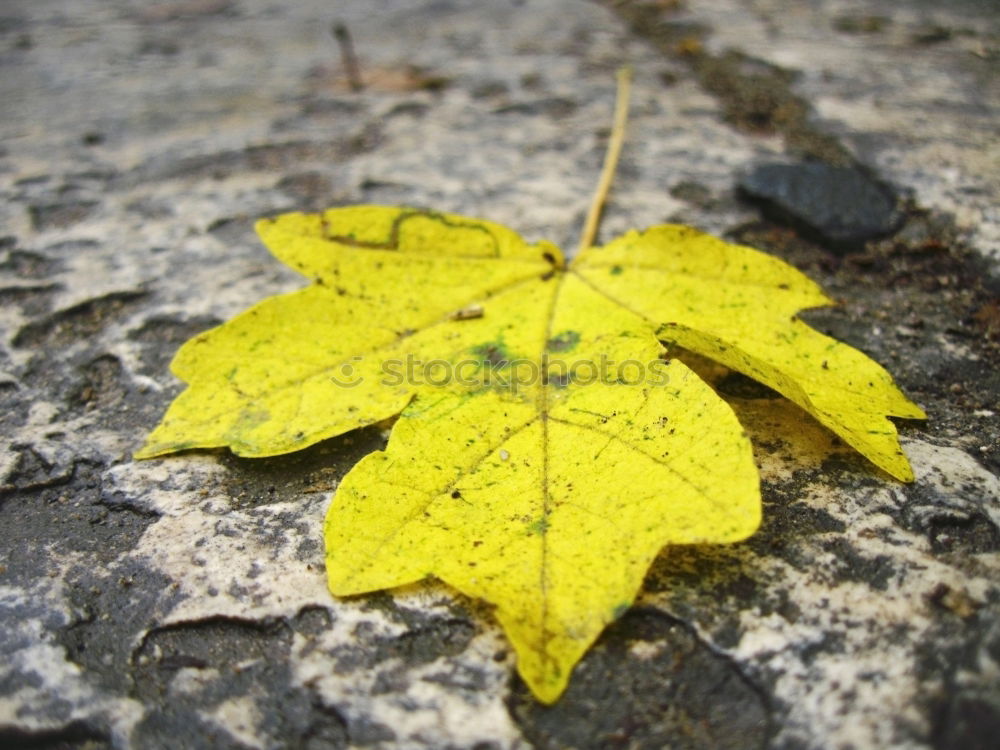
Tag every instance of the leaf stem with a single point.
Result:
(610, 159)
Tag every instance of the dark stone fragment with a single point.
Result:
(839, 206)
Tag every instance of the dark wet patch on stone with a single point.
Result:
(737, 385)
(932, 33)
(156, 46)
(219, 643)
(312, 621)
(102, 383)
(694, 193)
(177, 725)
(327, 107)
(968, 722)
(841, 207)
(68, 516)
(78, 322)
(25, 264)
(953, 654)
(648, 682)
(68, 519)
(236, 657)
(251, 482)
(365, 731)
(756, 96)
(850, 565)
(161, 336)
(59, 252)
(426, 637)
(60, 215)
(412, 109)
(973, 534)
(786, 523)
(33, 300)
(434, 638)
(787, 520)
(86, 381)
(554, 106)
(313, 190)
(861, 23)
(128, 598)
(76, 735)
(34, 471)
(948, 528)
(232, 230)
(831, 642)
(489, 90)
(273, 157)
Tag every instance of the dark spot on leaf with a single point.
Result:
(493, 353)
(563, 342)
(540, 526)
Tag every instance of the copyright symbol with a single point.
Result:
(345, 376)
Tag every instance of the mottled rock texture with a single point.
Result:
(181, 602)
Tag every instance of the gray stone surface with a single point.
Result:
(181, 603)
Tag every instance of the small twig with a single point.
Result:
(350, 60)
(610, 159)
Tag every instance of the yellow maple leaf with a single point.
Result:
(544, 451)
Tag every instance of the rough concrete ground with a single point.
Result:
(181, 603)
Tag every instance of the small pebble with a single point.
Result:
(841, 207)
